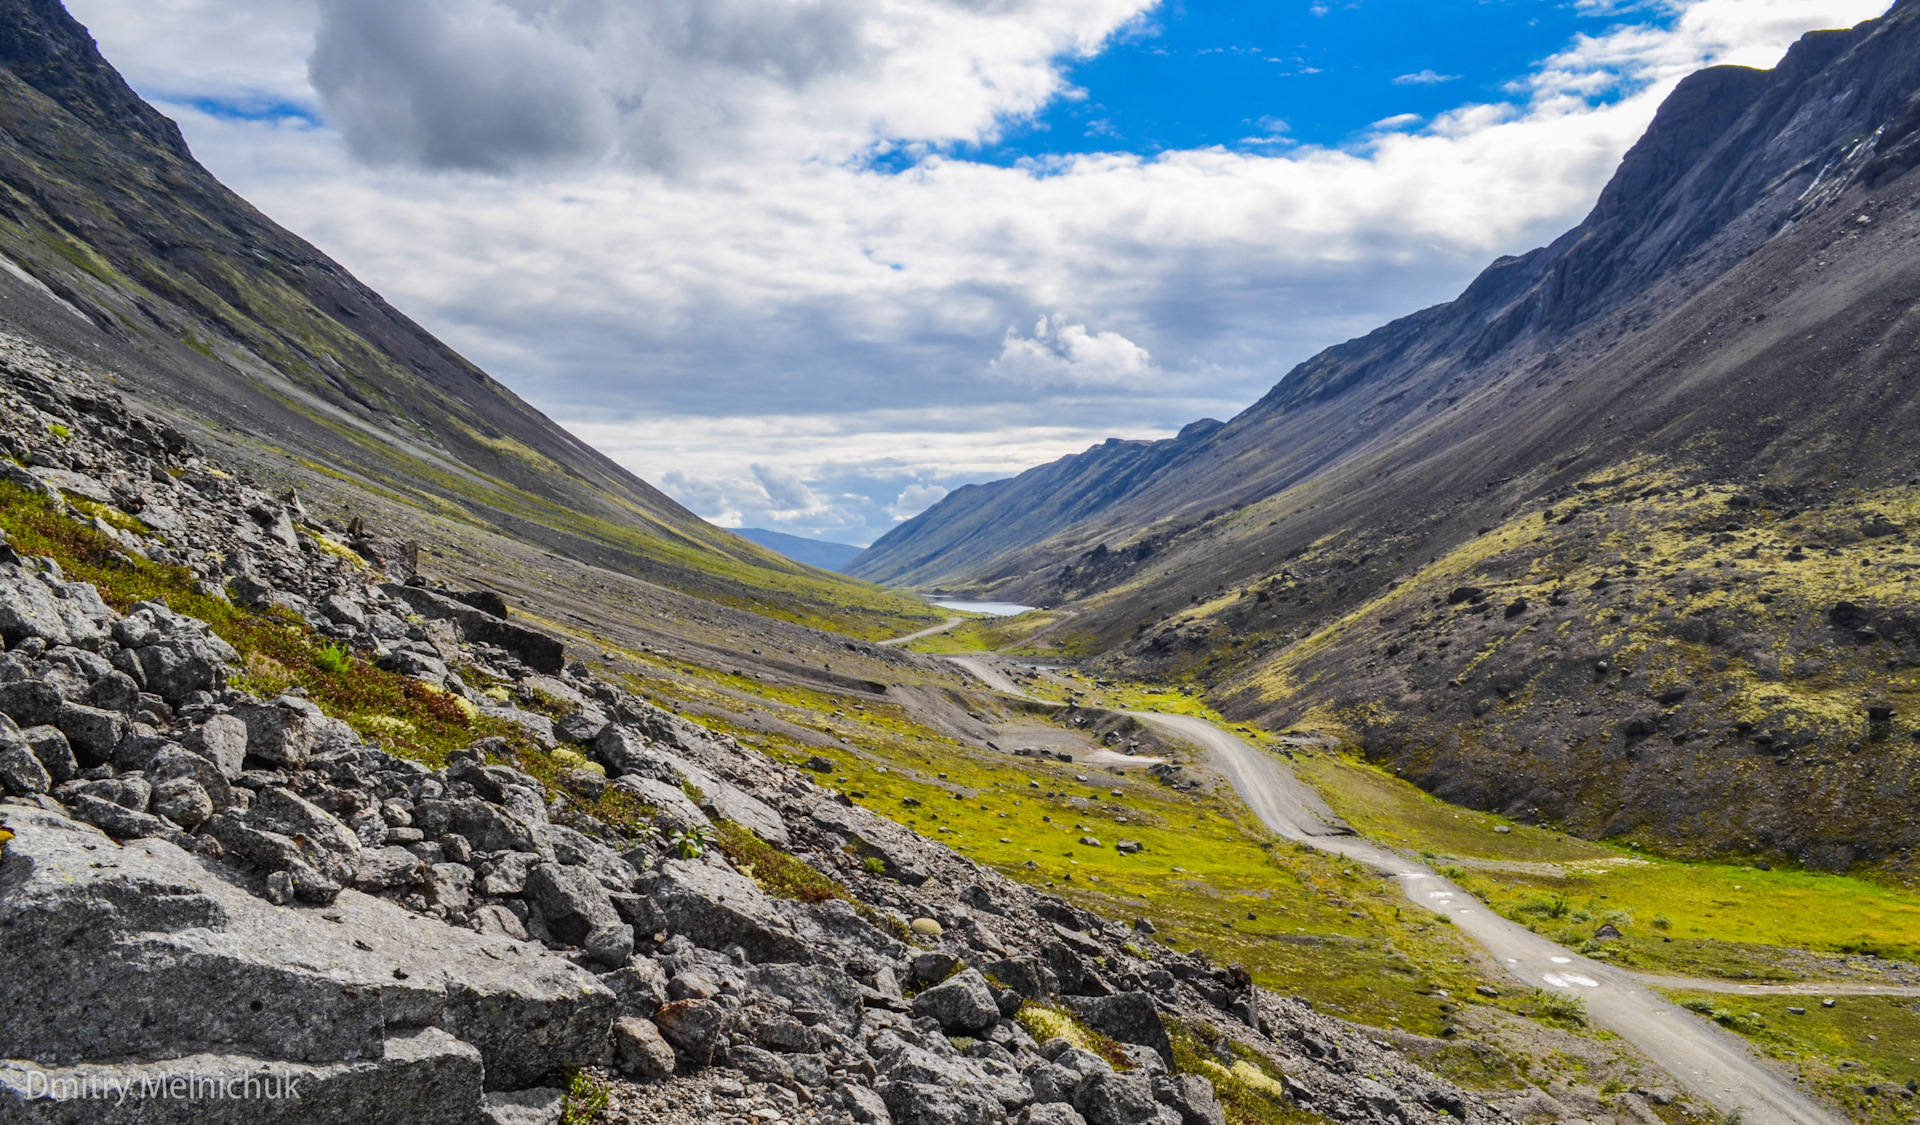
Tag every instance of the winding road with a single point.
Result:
(1716, 1066)
(950, 623)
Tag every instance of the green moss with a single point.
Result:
(780, 874)
(1250, 1088)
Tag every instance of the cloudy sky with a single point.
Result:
(807, 264)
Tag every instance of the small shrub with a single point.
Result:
(1561, 1006)
(1662, 922)
(59, 431)
(334, 660)
(586, 1097)
(874, 865)
(690, 843)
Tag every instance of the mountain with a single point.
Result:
(1676, 444)
(813, 552)
(980, 522)
(121, 247)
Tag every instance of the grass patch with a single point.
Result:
(1251, 1089)
(1860, 1053)
(778, 873)
(1046, 1021)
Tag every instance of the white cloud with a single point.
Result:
(1425, 78)
(1058, 354)
(914, 499)
(709, 278)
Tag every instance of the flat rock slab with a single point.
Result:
(146, 951)
(716, 908)
(426, 1078)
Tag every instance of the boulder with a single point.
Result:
(674, 808)
(221, 740)
(715, 908)
(639, 1050)
(281, 732)
(873, 837)
(380, 869)
(29, 609)
(120, 822)
(92, 732)
(180, 666)
(1029, 976)
(535, 649)
(723, 801)
(964, 1004)
(30, 702)
(824, 990)
(1192, 1097)
(760, 1065)
(21, 772)
(640, 986)
(419, 1077)
(489, 828)
(1055, 1113)
(53, 750)
(581, 725)
(693, 1026)
(1106, 1098)
(159, 956)
(1130, 1017)
(578, 912)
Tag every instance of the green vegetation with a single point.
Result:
(586, 1096)
(992, 634)
(1860, 1053)
(779, 873)
(1675, 916)
(1251, 1089)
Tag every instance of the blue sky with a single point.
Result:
(1194, 73)
(662, 221)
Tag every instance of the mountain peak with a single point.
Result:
(49, 50)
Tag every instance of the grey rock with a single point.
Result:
(343, 610)
(278, 732)
(541, 1105)
(693, 1026)
(221, 740)
(723, 801)
(277, 810)
(1130, 1017)
(1079, 1062)
(115, 691)
(129, 791)
(1053, 1113)
(674, 808)
(823, 990)
(1106, 1098)
(577, 911)
(29, 609)
(157, 956)
(92, 732)
(118, 821)
(169, 762)
(53, 750)
(864, 1105)
(423, 1077)
(716, 908)
(179, 666)
(487, 827)
(1052, 1083)
(1028, 976)
(640, 986)
(639, 1050)
(921, 1103)
(450, 885)
(380, 869)
(874, 837)
(964, 1004)
(576, 849)
(21, 772)
(506, 874)
(538, 727)
(1191, 1096)
(183, 801)
(30, 702)
(760, 1065)
(581, 725)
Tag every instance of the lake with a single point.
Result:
(992, 609)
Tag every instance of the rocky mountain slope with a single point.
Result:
(1674, 445)
(120, 246)
(284, 840)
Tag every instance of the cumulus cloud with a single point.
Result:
(784, 490)
(494, 85)
(1058, 354)
(914, 499)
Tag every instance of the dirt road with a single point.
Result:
(1718, 1068)
(950, 623)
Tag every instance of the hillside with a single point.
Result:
(257, 344)
(813, 552)
(1708, 373)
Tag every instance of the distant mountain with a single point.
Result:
(210, 313)
(979, 523)
(813, 552)
(1615, 539)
